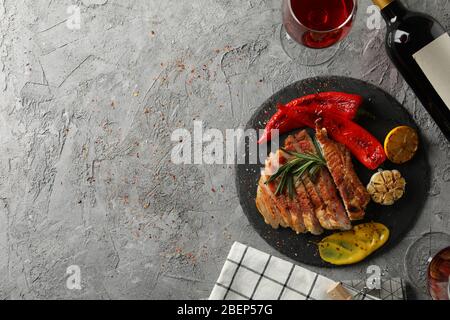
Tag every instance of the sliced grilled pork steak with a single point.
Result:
(322, 191)
(339, 162)
(310, 218)
(288, 211)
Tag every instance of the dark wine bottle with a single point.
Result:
(420, 49)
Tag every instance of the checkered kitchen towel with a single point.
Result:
(249, 274)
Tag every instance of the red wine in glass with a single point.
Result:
(439, 275)
(427, 264)
(318, 24)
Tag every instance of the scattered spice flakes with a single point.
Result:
(180, 65)
(191, 257)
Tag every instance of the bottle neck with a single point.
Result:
(393, 12)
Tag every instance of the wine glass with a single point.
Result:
(439, 275)
(448, 287)
(312, 28)
(424, 260)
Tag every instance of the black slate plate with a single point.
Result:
(399, 218)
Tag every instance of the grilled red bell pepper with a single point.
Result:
(341, 103)
(363, 145)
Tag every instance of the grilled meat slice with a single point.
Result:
(295, 211)
(266, 208)
(335, 215)
(269, 190)
(322, 192)
(310, 218)
(273, 162)
(339, 162)
(331, 214)
(287, 210)
(317, 203)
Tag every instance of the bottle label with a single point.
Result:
(434, 60)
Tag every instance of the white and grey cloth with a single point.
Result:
(250, 274)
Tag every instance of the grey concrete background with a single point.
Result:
(85, 123)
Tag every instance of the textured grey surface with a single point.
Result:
(85, 123)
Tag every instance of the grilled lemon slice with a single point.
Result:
(386, 187)
(401, 144)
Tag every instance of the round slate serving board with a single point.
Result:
(388, 113)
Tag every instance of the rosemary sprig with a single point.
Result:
(292, 171)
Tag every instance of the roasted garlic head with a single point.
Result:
(386, 187)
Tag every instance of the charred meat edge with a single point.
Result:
(339, 162)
